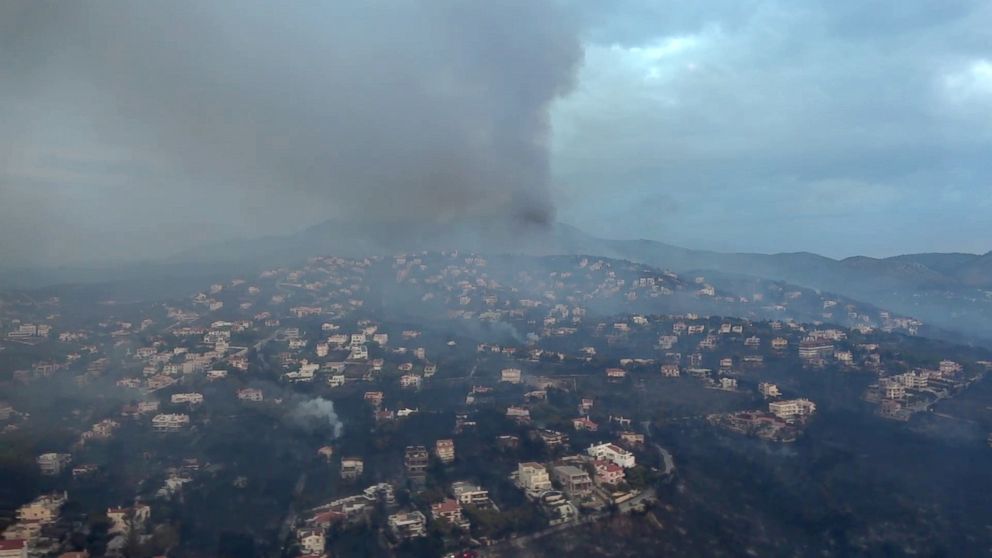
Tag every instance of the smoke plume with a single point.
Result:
(377, 111)
(317, 414)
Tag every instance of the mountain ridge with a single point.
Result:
(952, 291)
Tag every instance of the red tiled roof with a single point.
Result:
(447, 506)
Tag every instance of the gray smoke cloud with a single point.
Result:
(317, 413)
(370, 111)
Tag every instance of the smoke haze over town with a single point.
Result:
(137, 131)
(511, 279)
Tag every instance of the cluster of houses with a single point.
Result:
(309, 324)
(783, 422)
(899, 396)
(26, 533)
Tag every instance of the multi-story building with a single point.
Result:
(533, 477)
(188, 398)
(415, 460)
(616, 373)
(352, 467)
(612, 453)
(470, 494)
(792, 408)
(608, 473)
(410, 381)
(43, 509)
(445, 450)
(451, 511)
(167, 422)
(511, 375)
(145, 407)
(552, 438)
(893, 390)
(518, 414)
(949, 367)
(812, 349)
(250, 394)
(769, 390)
(584, 423)
(573, 480)
(52, 464)
(312, 541)
(408, 525)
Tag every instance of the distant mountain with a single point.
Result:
(950, 291)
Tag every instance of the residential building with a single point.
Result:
(13, 548)
(632, 438)
(169, 422)
(415, 460)
(352, 467)
(573, 480)
(585, 404)
(616, 373)
(519, 414)
(410, 381)
(451, 511)
(122, 520)
(188, 398)
(408, 525)
(949, 367)
(250, 394)
(470, 494)
(612, 453)
(445, 450)
(792, 408)
(533, 477)
(52, 464)
(584, 423)
(312, 541)
(511, 375)
(43, 509)
(769, 390)
(811, 349)
(552, 438)
(894, 391)
(608, 473)
(845, 357)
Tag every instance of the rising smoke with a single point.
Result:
(379, 111)
(316, 415)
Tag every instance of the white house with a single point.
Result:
(613, 453)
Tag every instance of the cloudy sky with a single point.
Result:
(839, 127)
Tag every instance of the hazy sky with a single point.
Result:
(133, 130)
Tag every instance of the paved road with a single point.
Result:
(507, 546)
(291, 514)
(666, 456)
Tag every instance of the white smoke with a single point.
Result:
(316, 414)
